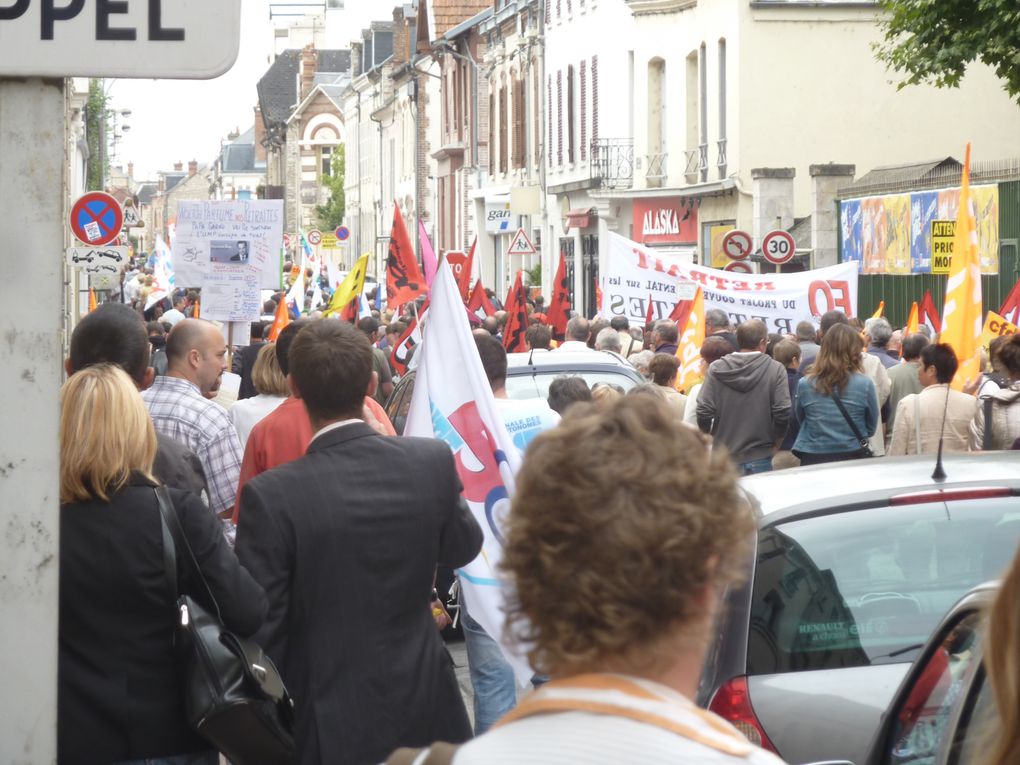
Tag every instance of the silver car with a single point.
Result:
(856, 564)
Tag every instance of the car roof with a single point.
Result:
(783, 494)
(565, 360)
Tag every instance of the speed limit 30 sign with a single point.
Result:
(778, 247)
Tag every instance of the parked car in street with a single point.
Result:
(530, 374)
(855, 566)
(944, 710)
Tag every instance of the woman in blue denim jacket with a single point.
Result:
(825, 435)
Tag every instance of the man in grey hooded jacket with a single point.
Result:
(745, 401)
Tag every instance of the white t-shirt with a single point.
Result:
(526, 418)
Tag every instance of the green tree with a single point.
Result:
(933, 41)
(95, 113)
(331, 214)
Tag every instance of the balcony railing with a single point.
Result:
(697, 164)
(656, 173)
(612, 163)
(721, 161)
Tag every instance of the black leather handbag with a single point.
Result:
(234, 695)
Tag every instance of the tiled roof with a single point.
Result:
(278, 88)
(334, 61)
(145, 193)
(239, 158)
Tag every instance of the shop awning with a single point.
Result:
(581, 217)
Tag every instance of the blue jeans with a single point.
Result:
(764, 465)
(194, 758)
(492, 677)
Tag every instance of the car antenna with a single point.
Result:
(939, 473)
(530, 355)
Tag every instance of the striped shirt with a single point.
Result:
(180, 411)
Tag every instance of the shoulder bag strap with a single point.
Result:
(169, 513)
(169, 550)
(986, 440)
(846, 416)
(917, 420)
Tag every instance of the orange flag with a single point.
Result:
(928, 314)
(880, 311)
(280, 320)
(692, 336)
(559, 308)
(93, 303)
(913, 322)
(404, 281)
(198, 310)
(516, 320)
(962, 317)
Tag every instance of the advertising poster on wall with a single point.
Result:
(232, 250)
(635, 272)
(891, 234)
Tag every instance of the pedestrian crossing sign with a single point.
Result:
(521, 244)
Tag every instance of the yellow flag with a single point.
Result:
(880, 311)
(93, 303)
(962, 319)
(688, 350)
(913, 322)
(350, 287)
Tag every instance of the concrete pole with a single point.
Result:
(32, 160)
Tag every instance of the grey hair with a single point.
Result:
(806, 332)
(608, 340)
(879, 330)
(578, 328)
(640, 361)
(717, 318)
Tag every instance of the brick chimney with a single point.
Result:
(260, 136)
(192, 167)
(401, 37)
(309, 62)
(178, 167)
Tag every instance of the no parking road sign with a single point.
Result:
(736, 244)
(96, 218)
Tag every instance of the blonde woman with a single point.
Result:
(120, 690)
(271, 384)
(1002, 668)
(837, 405)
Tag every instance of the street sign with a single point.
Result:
(943, 233)
(686, 290)
(778, 247)
(186, 39)
(457, 261)
(286, 241)
(736, 244)
(97, 259)
(342, 233)
(739, 267)
(329, 241)
(96, 218)
(521, 245)
(314, 237)
(131, 217)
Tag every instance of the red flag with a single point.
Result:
(517, 319)
(681, 314)
(648, 316)
(559, 308)
(480, 299)
(401, 352)
(929, 313)
(404, 281)
(1011, 305)
(464, 282)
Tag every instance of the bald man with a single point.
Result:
(197, 358)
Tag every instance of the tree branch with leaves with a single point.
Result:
(331, 214)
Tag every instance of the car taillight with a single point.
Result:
(949, 495)
(732, 703)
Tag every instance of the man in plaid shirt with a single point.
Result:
(180, 408)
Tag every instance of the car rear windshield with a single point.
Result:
(536, 385)
(869, 586)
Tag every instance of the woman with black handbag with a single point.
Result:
(837, 405)
(120, 687)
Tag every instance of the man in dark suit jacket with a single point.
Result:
(244, 361)
(345, 541)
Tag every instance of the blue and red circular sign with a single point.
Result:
(96, 218)
(342, 233)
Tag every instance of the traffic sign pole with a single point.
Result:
(31, 186)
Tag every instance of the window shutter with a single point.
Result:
(584, 111)
(594, 98)
(518, 123)
(502, 130)
(571, 132)
(549, 121)
(492, 132)
(559, 117)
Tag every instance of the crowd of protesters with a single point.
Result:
(322, 534)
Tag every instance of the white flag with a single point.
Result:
(452, 401)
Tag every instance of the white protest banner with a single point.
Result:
(452, 401)
(215, 240)
(635, 272)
